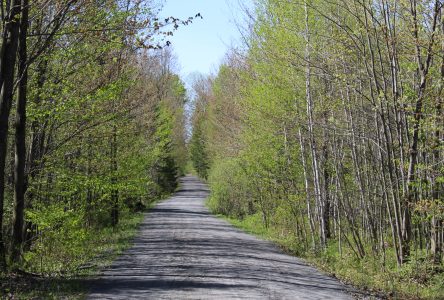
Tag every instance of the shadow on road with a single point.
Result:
(183, 252)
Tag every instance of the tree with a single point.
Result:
(77, 94)
(335, 141)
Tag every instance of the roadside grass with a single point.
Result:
(98, 250)
(373, 278)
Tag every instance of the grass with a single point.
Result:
(64, 267)
(415, 280)
(102, 247)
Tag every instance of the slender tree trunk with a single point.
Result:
(326, 180)
(423, 69)
(36, 151)
(307, 193)
(20, 143)
(89, 191)
(38, 128)
(8, 54)
(437, 193)
(313, 145)
(325, 166)
(114, 191)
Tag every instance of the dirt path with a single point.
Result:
(183, 252)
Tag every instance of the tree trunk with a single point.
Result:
(437, 193)
(307, 192)
(20, 140)
(423, 70)
(36, 151)
(114, 191)
(8, 54)
(313, 144)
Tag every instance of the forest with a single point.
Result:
(91, 127)
(325, 133)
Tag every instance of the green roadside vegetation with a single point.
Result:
(91, 133)
(87, 258)
(415, 280)
(47, 278)
(325, 133)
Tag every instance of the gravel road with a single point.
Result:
(184, 252)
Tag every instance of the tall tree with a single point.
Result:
(8, 56)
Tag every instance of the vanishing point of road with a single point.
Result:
(184, 252)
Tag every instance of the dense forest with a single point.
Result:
(326, 132)
(91, 125)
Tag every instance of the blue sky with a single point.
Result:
(201, 46)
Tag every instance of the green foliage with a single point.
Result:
(64, 268)
(366, 274)
(198, 152)
(59, 244)
(105, 135)
(165, 165)
(63, 246)
(306, 137)
(228, 183)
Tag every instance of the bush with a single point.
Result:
(229, 186)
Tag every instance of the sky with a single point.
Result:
(201, 46)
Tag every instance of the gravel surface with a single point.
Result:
(184, 252)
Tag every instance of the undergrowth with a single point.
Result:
(374, 275)
(62, 270)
